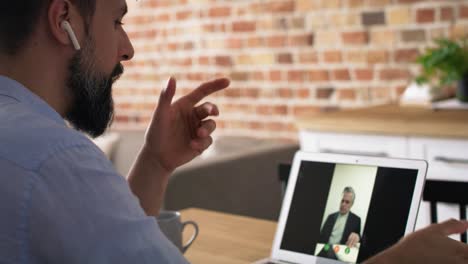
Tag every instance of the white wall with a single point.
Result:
(362, 179)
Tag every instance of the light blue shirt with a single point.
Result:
(61, 200)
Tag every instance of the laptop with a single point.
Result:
(345, 209)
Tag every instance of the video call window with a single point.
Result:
(339, 211)
(346, 210)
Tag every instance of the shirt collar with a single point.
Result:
(17, 91)
(343, 216)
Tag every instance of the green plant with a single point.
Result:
(447, 63)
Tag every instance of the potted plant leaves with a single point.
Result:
(445, 65)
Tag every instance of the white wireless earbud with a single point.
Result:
(67, 27)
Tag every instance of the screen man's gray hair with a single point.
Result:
(349, 189)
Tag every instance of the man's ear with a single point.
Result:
(58, 12)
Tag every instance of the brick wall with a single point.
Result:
(285, 58)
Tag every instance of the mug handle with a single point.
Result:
(186, 246)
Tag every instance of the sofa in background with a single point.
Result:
(236, 175)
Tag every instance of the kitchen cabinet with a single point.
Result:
(440, 138)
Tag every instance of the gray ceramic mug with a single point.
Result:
(170, 224)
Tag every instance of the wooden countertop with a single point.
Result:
(228, 239)
(390, 120)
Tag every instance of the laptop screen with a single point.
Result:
(347, 212)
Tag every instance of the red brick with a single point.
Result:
(220, 124)
(406, 55)
(237, 108)
(162, 18)
(232, 92)
(356, 3)
(142, 19)
(272, 110)
(195, 76)
(301, 40)
(377, 56)
(413, 35)
(285, 58)
(394, 74)
(356, 56)
(364, 74)
(183, 15)
(243, 26)
(280, 110)
(409, 1)
(280, 6)
(188, 45)
(426, 15)
(223, 61)
(373, 18)
(275, 76)
(255, 42)
(308, 57)
(181, 62)
(446, 14)
(268, 93)
(276, 41)
(263, 110)
(252, 93)
(284, 93)
(277, 126)
(356, 38)
(333, 56)
(305, 110)
(303, 93)
(123, 105)
(258, 76)
(325, 93)
(239, 76)
(341, 75)
(121, 118)
(220, 11)
(209, 28)
(346, 94)
(256, 125)
(464, 11)
(319, 75)
(237, 124)
(296, 76)
(234, 43)
(380, 3)
(204, 60)
(298, 23)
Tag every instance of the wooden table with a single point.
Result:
(226, 238)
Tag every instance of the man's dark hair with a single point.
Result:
(18, 19)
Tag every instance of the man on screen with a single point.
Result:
(342, 227)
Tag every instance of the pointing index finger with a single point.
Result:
(452, 226)
(206, 89)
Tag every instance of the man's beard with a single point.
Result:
(92, 107)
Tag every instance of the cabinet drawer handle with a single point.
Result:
(451, 161)
(358, 153)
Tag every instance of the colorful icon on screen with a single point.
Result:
(326, 247)
(336, 249)
(347, 250)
